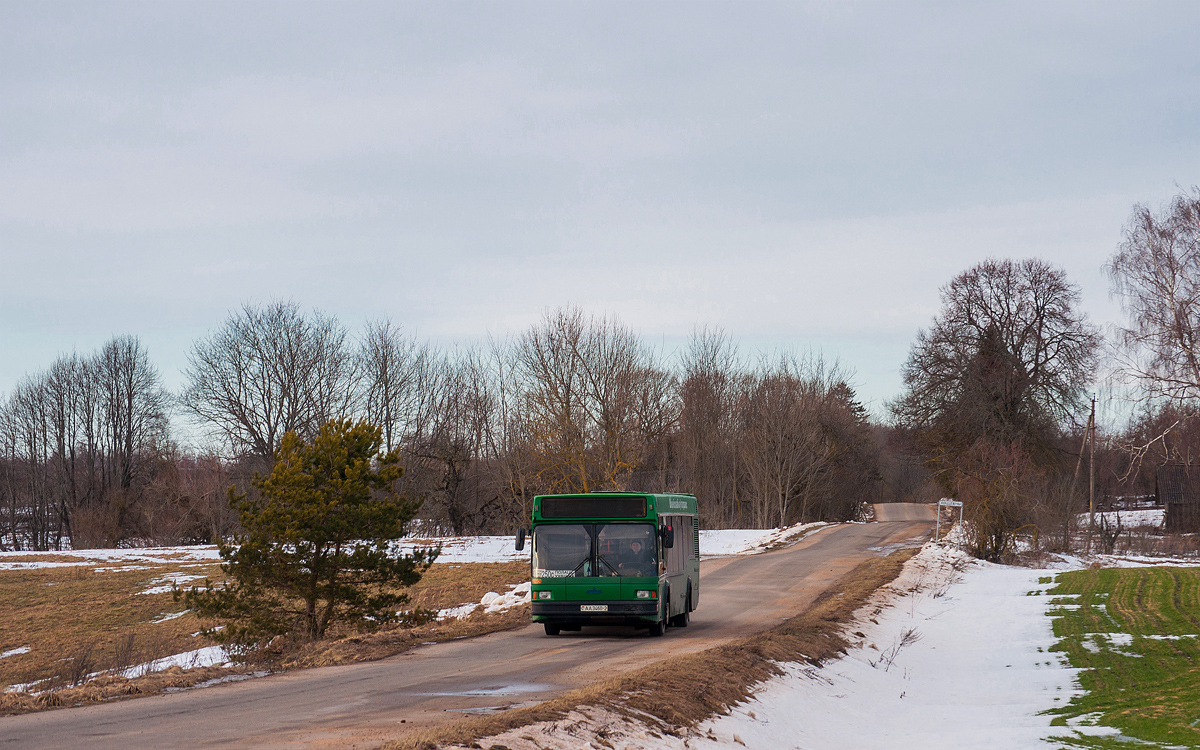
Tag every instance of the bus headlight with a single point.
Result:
(647, 595)
(543, 595)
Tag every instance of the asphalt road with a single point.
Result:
(362, 705)
(888, 512)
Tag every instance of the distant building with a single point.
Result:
(1177, 487)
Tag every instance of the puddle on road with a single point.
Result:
(484, 710)
(494, 691)
(498, 691)
(886, 549)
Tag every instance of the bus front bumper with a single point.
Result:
(590, 613)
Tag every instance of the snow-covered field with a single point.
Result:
(1130, 518)
(121, 559)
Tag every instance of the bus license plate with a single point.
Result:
(593, 607)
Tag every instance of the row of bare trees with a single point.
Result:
(80, 441)
(576, 403)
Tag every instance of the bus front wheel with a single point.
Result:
(681, 620)
(660, 627)
(551, 628)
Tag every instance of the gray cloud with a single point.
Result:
(802, 174)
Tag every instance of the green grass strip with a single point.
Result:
(1134, 632)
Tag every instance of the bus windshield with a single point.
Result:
(562, 550)
(625, 549)
(620, 549)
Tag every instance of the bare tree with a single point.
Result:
(595, 402)
(1008, 356)
(787, 438)
(391, 366)
(1156, 275)
(27, 426)
(450, 438)
(508, 449)
(270, 370)
(706, 455)
(135, 405)
(552, 400)
(990, 387)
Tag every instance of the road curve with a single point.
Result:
(362, 705)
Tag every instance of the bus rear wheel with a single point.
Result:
(551, 628)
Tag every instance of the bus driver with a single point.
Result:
(635, 562)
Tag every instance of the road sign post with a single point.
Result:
(946, 502)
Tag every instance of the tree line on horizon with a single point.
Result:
(993, 412)
(576, 403)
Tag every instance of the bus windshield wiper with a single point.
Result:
(608, 565)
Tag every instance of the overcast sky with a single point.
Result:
(799, 174)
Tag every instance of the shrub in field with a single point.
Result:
(316, 547)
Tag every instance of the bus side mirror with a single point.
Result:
(520, 539)
(668, 536)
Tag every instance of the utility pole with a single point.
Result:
(1091, 439)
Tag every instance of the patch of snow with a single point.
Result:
(26, 687)
(467, 549)
(163, 583)
(1129, 518)
(457, 613)
(491, 602)
(15, 652)
(169, 616)
(206, 553)
(201, 657)
(122, 568)
(38, 565)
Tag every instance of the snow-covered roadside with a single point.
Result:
(953, 654)
(976, 671)
(727, 542)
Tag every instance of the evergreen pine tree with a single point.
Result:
(317, 542)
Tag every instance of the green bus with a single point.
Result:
(614, 558)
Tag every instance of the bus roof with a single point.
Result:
(612, 505)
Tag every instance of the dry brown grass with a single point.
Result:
(448, 585)
(682, 691)
(91, 618)
(75, 621)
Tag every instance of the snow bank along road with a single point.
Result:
(364, 704)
